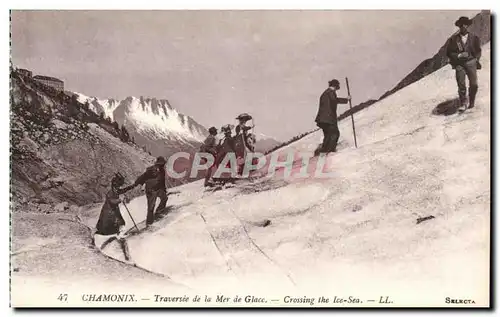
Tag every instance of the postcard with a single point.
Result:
(250, 158)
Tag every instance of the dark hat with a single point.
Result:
(244, 116)
(334, 83)
(463, 21)
(117, 180)
(226, 128)
(160, 160)
(212, 130)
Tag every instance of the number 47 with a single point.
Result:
(63, 297)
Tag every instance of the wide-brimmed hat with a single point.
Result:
(244, 116)
(463, 21)
(160, 160)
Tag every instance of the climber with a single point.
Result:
(226, 146)
(242, 120)
(326, 118)
(209, 146)
(110, 220)
(154, 178)
(464, 51)
(244, 140)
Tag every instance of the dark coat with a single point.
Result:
(454, 46)
(327, 112)
(111, 218)
(226, 145)
(209, 145)
(153, 177)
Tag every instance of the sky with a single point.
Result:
(213, 65)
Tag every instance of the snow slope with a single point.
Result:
(355, 233)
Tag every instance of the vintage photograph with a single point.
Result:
(250, 158)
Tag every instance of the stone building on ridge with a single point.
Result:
(50, 81)
(25, 72)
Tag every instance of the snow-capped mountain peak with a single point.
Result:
(106, 106)
(158, 115)
(151, 116)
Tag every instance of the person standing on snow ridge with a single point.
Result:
(244, 140)
(464, 51)
(326, 118)
(226, 145)
(209, 146)
(242, 127)
(154, 178)
(210, 142)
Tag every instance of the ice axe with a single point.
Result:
(135, 225)
(352, 114)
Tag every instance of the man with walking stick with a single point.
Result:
(154, 177)
(326, 118)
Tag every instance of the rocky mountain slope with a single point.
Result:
(63, 152)
(265, 143)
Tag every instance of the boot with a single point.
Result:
(462, 97)
(318, 149)
(209, 183)
(463, 105)
(472, 96)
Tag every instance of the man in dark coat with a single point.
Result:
(226, 146)
(154, 178)
(210, 143)
(327, 116)
(464, 51)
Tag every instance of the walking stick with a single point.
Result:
(253, 128)
(131, 216)
(352, 114)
